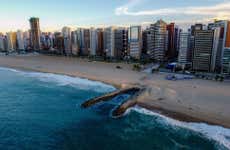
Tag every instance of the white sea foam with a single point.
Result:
(9, 69)
(64, 80)
(216, 133)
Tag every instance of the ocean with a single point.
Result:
(41, 111)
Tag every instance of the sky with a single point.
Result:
(54, 14)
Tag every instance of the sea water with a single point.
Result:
(41, 111)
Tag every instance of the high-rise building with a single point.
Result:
(35, 33)
(66, 33)
(109, 41)
(146, 38)
(221, 46)
(135, 42)
(177, 40)
(2, 42)
(26, 40)
(121, 42)
(11, 41)
(59, 42)
(20, 40)
(74, 43)
(191, 45)
(196, 27)
(80, 40)
(202, 54)
(51, 37)
(100, 44)
(93, 41)
(171, 41)
(159, 39)
(184, 48)
(46, 41)
(226, 53)
(192, 30)
(86, 37)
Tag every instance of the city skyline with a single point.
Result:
(71, 13)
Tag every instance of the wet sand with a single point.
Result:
(192, 100)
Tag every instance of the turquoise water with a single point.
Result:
(41, 111)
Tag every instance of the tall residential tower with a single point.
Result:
(35, 33)
(135, 42)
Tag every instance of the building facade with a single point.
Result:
(221, 57)
(100, 40)
(135, 42)
(171, 41)
(203, 46)
(86, 48)
(109, 42)
(35, 33)
(66, 33)
(2, 42)
(11, 41)
(93, 41)
(121, 43)
(184, 48)
(159, 39)
(20, 40)
(59, 43)
(74, 43)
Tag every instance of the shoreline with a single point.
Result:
(64, 74)
(177, 116)
(56, 73)
(153, 101)
(162, 111)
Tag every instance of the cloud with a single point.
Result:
(217, 10)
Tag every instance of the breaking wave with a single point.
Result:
(64, 80)
(217, 133)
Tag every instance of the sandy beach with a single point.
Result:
(190, 100)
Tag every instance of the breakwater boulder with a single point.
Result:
(109, 96)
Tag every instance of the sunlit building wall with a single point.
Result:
(159, 39)
(11, 41)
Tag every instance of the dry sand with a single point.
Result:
(191, 100)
